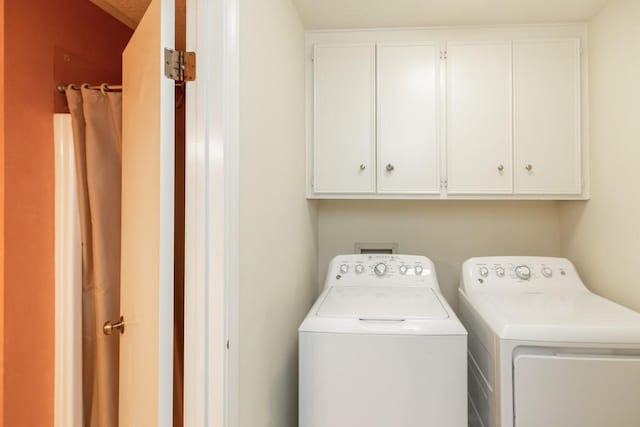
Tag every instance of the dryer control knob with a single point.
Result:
(418, 269)
(484, 271)
(547, 272)
(344, 269)
(359, 268)
(523, 272)
(403, 269)
(500, 271)
(380, 269)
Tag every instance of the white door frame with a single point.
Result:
(211, 217)
(211, 233)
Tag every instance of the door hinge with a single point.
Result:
(443, 54)
(179, 65)
(444, 184)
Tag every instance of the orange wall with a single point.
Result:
(1, 211)
(46, 43)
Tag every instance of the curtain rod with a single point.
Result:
(105, 87)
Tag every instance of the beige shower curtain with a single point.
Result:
(97, 132)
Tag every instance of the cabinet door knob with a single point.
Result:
(500, 168)
(529, 167)
(390, 167)
(362, 167)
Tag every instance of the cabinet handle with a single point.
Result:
(390, 167)
(362, 167)
(500, 168)
(529, 167)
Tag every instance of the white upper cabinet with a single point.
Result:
(479, 118)
(448, 113)
(408, 118)
(344, 118)
(547, 116)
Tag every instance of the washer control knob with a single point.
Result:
(418, 269)
(380, 269)
(500, 271)
(484, 271)
(403, 269)
(523, 272)
(547, 272)
(344, 268)
(359, 268)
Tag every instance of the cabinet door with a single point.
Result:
(344, 122)
(479, 118)
(408, 113)
(547, 117)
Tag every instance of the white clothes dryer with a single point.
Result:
(544, 351)
(382, 348)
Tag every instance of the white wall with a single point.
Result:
(602, 236)
(446, 232)
(278, 246)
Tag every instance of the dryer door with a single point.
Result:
(563, 390)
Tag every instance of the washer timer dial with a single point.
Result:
(523, 272)
(380, 269)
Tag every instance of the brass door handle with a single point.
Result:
(109, 326)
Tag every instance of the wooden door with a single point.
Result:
(408, 118)
(146, 347)
(479, 117)
(547, 117)
(344, 119)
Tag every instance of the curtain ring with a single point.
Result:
(104, 88)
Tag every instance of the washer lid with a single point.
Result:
(382, 302)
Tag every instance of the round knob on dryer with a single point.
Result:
(403, 269)
(359, 268)
(380, 269)
(500, 271)
(484, 271)
(523, 272)
(418, 269)
(344, 269)
(547, 272)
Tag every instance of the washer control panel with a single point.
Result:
(501, 272)
(383, 269)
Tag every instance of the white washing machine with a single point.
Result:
(543, 350)
(382, 348)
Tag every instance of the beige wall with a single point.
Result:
(446, 232)
(602, 236)
(277, 225)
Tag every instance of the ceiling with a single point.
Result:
(129, 12)
(332, 14)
